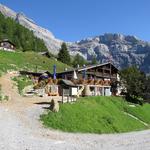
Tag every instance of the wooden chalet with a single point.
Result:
(97, 78)
(86, 81)
(7, 45)
(101, 71)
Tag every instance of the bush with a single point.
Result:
(133, 81)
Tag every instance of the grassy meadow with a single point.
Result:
(97, 115)
(27, 61)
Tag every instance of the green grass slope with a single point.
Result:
(27, 61)
(97, 115)
(141, 112)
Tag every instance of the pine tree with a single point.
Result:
(63, 54)
(78, 60)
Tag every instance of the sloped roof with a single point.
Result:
(94, 66)
(35, 73)
(7, 40)
(87, 67)
(66, 83)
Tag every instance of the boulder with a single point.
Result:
(54, 106)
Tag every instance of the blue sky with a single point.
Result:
(72, 20)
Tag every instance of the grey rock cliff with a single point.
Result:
(122, 50)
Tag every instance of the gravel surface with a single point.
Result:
(22, 130)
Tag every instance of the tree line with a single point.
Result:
(135, 84)
(22, 37)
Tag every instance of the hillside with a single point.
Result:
(22, 37)
(99, 115)
(27, 61)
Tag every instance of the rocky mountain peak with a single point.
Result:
(109, 37)
(122, 50)
(7, 12)
(132, 39)
(21, 15)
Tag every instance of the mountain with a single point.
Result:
(22, 37)
(51, 42)
(122, 50)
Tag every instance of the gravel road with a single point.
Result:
(22, 130)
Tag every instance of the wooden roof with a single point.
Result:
(67, 83)
(6, 40)
(68, 71)
(88, 67)
(35, 73)
(95, 66)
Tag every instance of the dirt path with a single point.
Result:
(21, 129)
